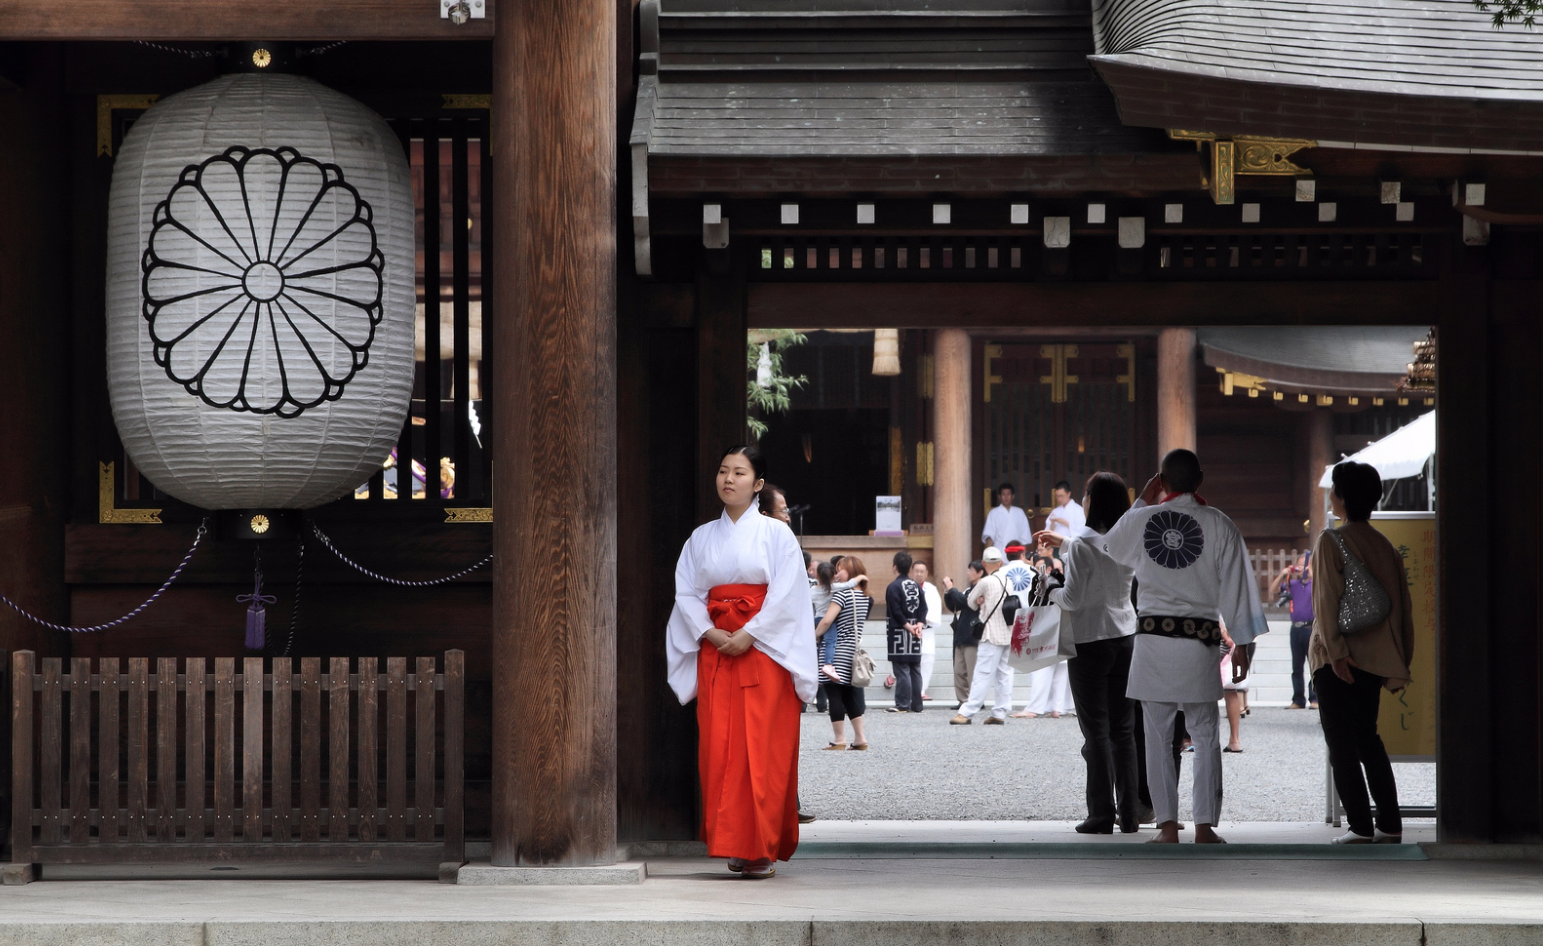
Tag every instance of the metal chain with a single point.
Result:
(322, 537)
(191, 53)
(203, 529)
(318, 50)
(294, 614)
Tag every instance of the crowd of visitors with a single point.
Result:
(1157, 596)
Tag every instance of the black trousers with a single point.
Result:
(908, 685)
(1180, 733)
(846, 702)
(1301, 633)
(1098, 675)
(1348, 713)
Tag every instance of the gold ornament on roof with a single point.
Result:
(260, 524)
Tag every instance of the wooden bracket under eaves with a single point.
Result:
(1243, 154)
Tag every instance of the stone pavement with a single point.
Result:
(919, 767)
(828, 902)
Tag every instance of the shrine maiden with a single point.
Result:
(1191, 569)
(741, 643)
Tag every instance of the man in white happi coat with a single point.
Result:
(1192, 570)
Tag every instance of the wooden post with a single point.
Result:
(953, 489)
(1320, 453)
(721, 374)
(554, 407)
(1175, 390)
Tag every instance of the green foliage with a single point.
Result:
(1511, 11)
(777, 399)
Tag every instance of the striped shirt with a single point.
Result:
(848, 628)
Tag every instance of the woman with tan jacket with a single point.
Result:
(1350, 671)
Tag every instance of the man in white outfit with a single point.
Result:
(1192, 569)
(1067, 518)
(992, 671)
(934, 619)
(1005, 522)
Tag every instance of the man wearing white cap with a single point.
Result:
(992, 671)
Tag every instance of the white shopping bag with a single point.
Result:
(1037, 638)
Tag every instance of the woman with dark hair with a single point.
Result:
(842, 625)
(741, 643)
(1096, 609)
(1350, 670)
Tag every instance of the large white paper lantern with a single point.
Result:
(260, 293)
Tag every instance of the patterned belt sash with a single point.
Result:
(1204, 630)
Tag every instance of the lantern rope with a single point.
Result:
(203, 529)
(294, 613)
(322, 537)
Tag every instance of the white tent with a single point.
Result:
(1402, 453)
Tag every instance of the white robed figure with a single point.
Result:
(756, 550)
(740, 641)
(1192, 570)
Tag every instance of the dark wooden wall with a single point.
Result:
(1490, 741)
(34, 351)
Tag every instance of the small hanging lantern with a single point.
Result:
(886, 352)
(260, 293)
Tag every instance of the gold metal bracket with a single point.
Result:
(1128, 352)
(993, 352)
(105, 106)
(483, 101)
(1243, 154)
(1233, 381)
(468, 513)
(107, 507)
(1058, 379)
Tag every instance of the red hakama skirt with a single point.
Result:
(748, 717)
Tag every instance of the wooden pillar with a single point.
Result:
(1320, 453)
(721, 370)
(1465, 735)
(1175, 390)
(953, 490)
(554, 395)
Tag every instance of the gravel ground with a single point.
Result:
(921, 768)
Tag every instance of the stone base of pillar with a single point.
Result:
(483, 874)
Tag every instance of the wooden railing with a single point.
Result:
(1267, 564)
(230, 752)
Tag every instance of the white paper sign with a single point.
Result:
(886, 516)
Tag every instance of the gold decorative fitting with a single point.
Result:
(468, 513)
(259, 524)
(1128, 352)
(107, 506)
(1058, 379)
(105, 106)
(1234, 381)
(482, 101)
(1243, 154)
(261, 58)
(993, 352)
(925, 458)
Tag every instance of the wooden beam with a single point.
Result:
(1061, 304)
(554, 399)
(236, 20)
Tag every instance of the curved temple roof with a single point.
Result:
(1422, 73)
(1326, 358)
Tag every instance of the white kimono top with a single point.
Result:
(756, 550)
(1068, 520)
(1006, 524)
(1190, 561)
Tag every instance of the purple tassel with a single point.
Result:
(256, 614)
(256, 624)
